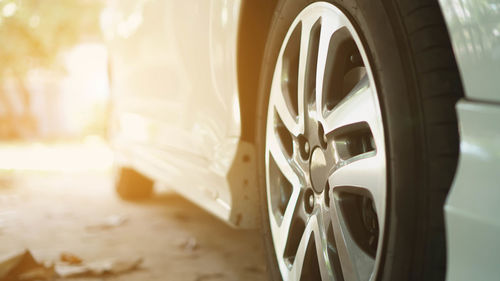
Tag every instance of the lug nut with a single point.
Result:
(304, 147)
(327, 194)
(309, 200)
(322, 137)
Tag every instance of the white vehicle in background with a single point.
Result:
(332, 125)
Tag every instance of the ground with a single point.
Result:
(52, 212)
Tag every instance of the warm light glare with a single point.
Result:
(90, 155)
(9, 10)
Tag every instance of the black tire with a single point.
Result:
(418, 83)
(132, 185)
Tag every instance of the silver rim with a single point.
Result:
(325, 152)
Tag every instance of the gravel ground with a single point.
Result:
(53, 212)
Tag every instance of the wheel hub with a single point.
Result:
(318, 170)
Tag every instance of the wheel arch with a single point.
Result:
(254, 25)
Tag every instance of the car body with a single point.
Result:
(184, 75)
(201, 132)
(472, 205)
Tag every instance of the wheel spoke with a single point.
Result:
(282, 231)
(365, 175)
(291, 172)
(300, 258)
(356, 264)
(360, 105)
(315, 229)
(283, 107)
(303, 62)
(328, 27)
(286, 165)
(324, 262)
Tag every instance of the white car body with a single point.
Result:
(177, 113)
(473, 204)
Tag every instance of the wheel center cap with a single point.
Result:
(318, 170)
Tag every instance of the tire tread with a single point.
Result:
(440, 87)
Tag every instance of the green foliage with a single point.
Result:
(34, 32)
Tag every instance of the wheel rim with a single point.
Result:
(325, 152)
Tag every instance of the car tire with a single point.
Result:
(417, 84)
(132, 185)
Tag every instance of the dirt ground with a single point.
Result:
(53, 212)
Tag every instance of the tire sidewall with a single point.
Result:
(378, 28)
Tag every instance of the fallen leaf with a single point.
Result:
(97, 268)
(65, 270)
(109, 222)
(188, 244)
(70, 258)
(22, 266)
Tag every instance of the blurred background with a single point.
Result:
(53, 70)
(54, 85)
(57, 202)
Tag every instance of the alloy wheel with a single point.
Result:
(325, 152)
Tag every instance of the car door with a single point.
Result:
(175, 92)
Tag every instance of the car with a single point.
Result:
(360, 136)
